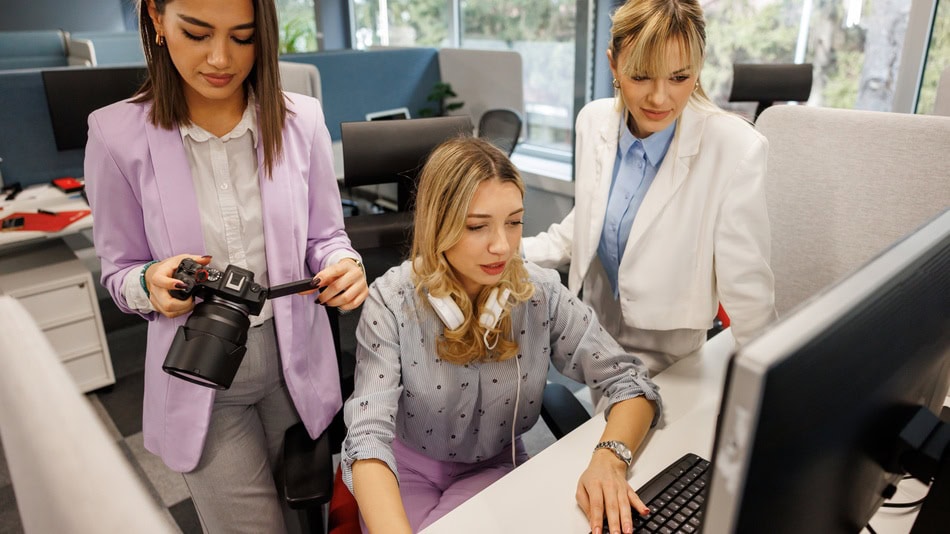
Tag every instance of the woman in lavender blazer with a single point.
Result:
(211, 161)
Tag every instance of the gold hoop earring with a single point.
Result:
(159, 39)
(616, 84)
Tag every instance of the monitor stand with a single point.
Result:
(927, 458)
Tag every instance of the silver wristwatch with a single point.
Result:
(618, 448)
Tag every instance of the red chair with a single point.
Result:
(722, 317)
(344, 515)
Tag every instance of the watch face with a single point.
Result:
(618, 448)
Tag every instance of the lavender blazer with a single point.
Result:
(140, 190)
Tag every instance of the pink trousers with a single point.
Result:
(432, 488)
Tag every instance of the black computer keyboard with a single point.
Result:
(675, 498)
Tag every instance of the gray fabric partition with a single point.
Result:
(842, 185)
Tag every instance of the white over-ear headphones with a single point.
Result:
(447, 310)
(452, 317)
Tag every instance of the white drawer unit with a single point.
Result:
(58, 291)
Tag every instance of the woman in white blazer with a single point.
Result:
(670, 216)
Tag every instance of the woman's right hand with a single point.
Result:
(159, 281)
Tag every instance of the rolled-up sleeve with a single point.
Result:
(370, 413)
(582, 350)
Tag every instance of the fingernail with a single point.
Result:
(181, 285)
(316, 282)
(206, 257)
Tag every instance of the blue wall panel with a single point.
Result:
(357, 82)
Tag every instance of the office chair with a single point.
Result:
(767, 83)
(501, 127)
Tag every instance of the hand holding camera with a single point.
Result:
(208, 348)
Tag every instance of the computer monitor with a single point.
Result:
(73, 93)
(388, 115)
(807, 437)
(394, 151)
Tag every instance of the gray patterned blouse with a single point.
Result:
(464, 413)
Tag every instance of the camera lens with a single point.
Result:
(208, 348)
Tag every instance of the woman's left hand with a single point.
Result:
(602, 491)
(343, 285)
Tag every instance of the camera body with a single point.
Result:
(208, 349)
(234, 286)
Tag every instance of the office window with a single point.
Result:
(298, 26)
(855, 45)
(542, 31)
(938, 58)
(400, 23)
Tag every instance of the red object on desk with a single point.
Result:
(48, 223)
(68, 184)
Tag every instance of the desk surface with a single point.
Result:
(42, 197)
(538, 496)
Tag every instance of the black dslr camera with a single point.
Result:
(208, 348)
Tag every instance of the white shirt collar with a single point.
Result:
(248, 123)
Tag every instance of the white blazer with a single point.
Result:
(700, 237)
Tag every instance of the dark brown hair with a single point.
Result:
(164, 90)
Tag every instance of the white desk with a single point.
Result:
(42, 197)
(538, 496)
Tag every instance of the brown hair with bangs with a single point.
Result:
(164, 90)
(447, 184)
(643, 29)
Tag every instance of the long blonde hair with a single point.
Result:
(447, 184)
(643, 29)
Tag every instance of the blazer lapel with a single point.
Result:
(278, 206)
(603, 176)
(176, 192)
(670, 176)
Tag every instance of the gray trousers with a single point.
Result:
(236, 486)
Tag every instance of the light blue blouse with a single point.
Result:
(464, 413)
(635, 167)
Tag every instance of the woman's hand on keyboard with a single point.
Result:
(602, 491)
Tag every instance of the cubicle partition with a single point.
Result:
(354, 83)
(27, 145)
(357, 82)
(105, 48)
(32, 49)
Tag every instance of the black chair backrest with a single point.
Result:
(768, 83)
(501, 127)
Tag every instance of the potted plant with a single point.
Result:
(441, 92)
